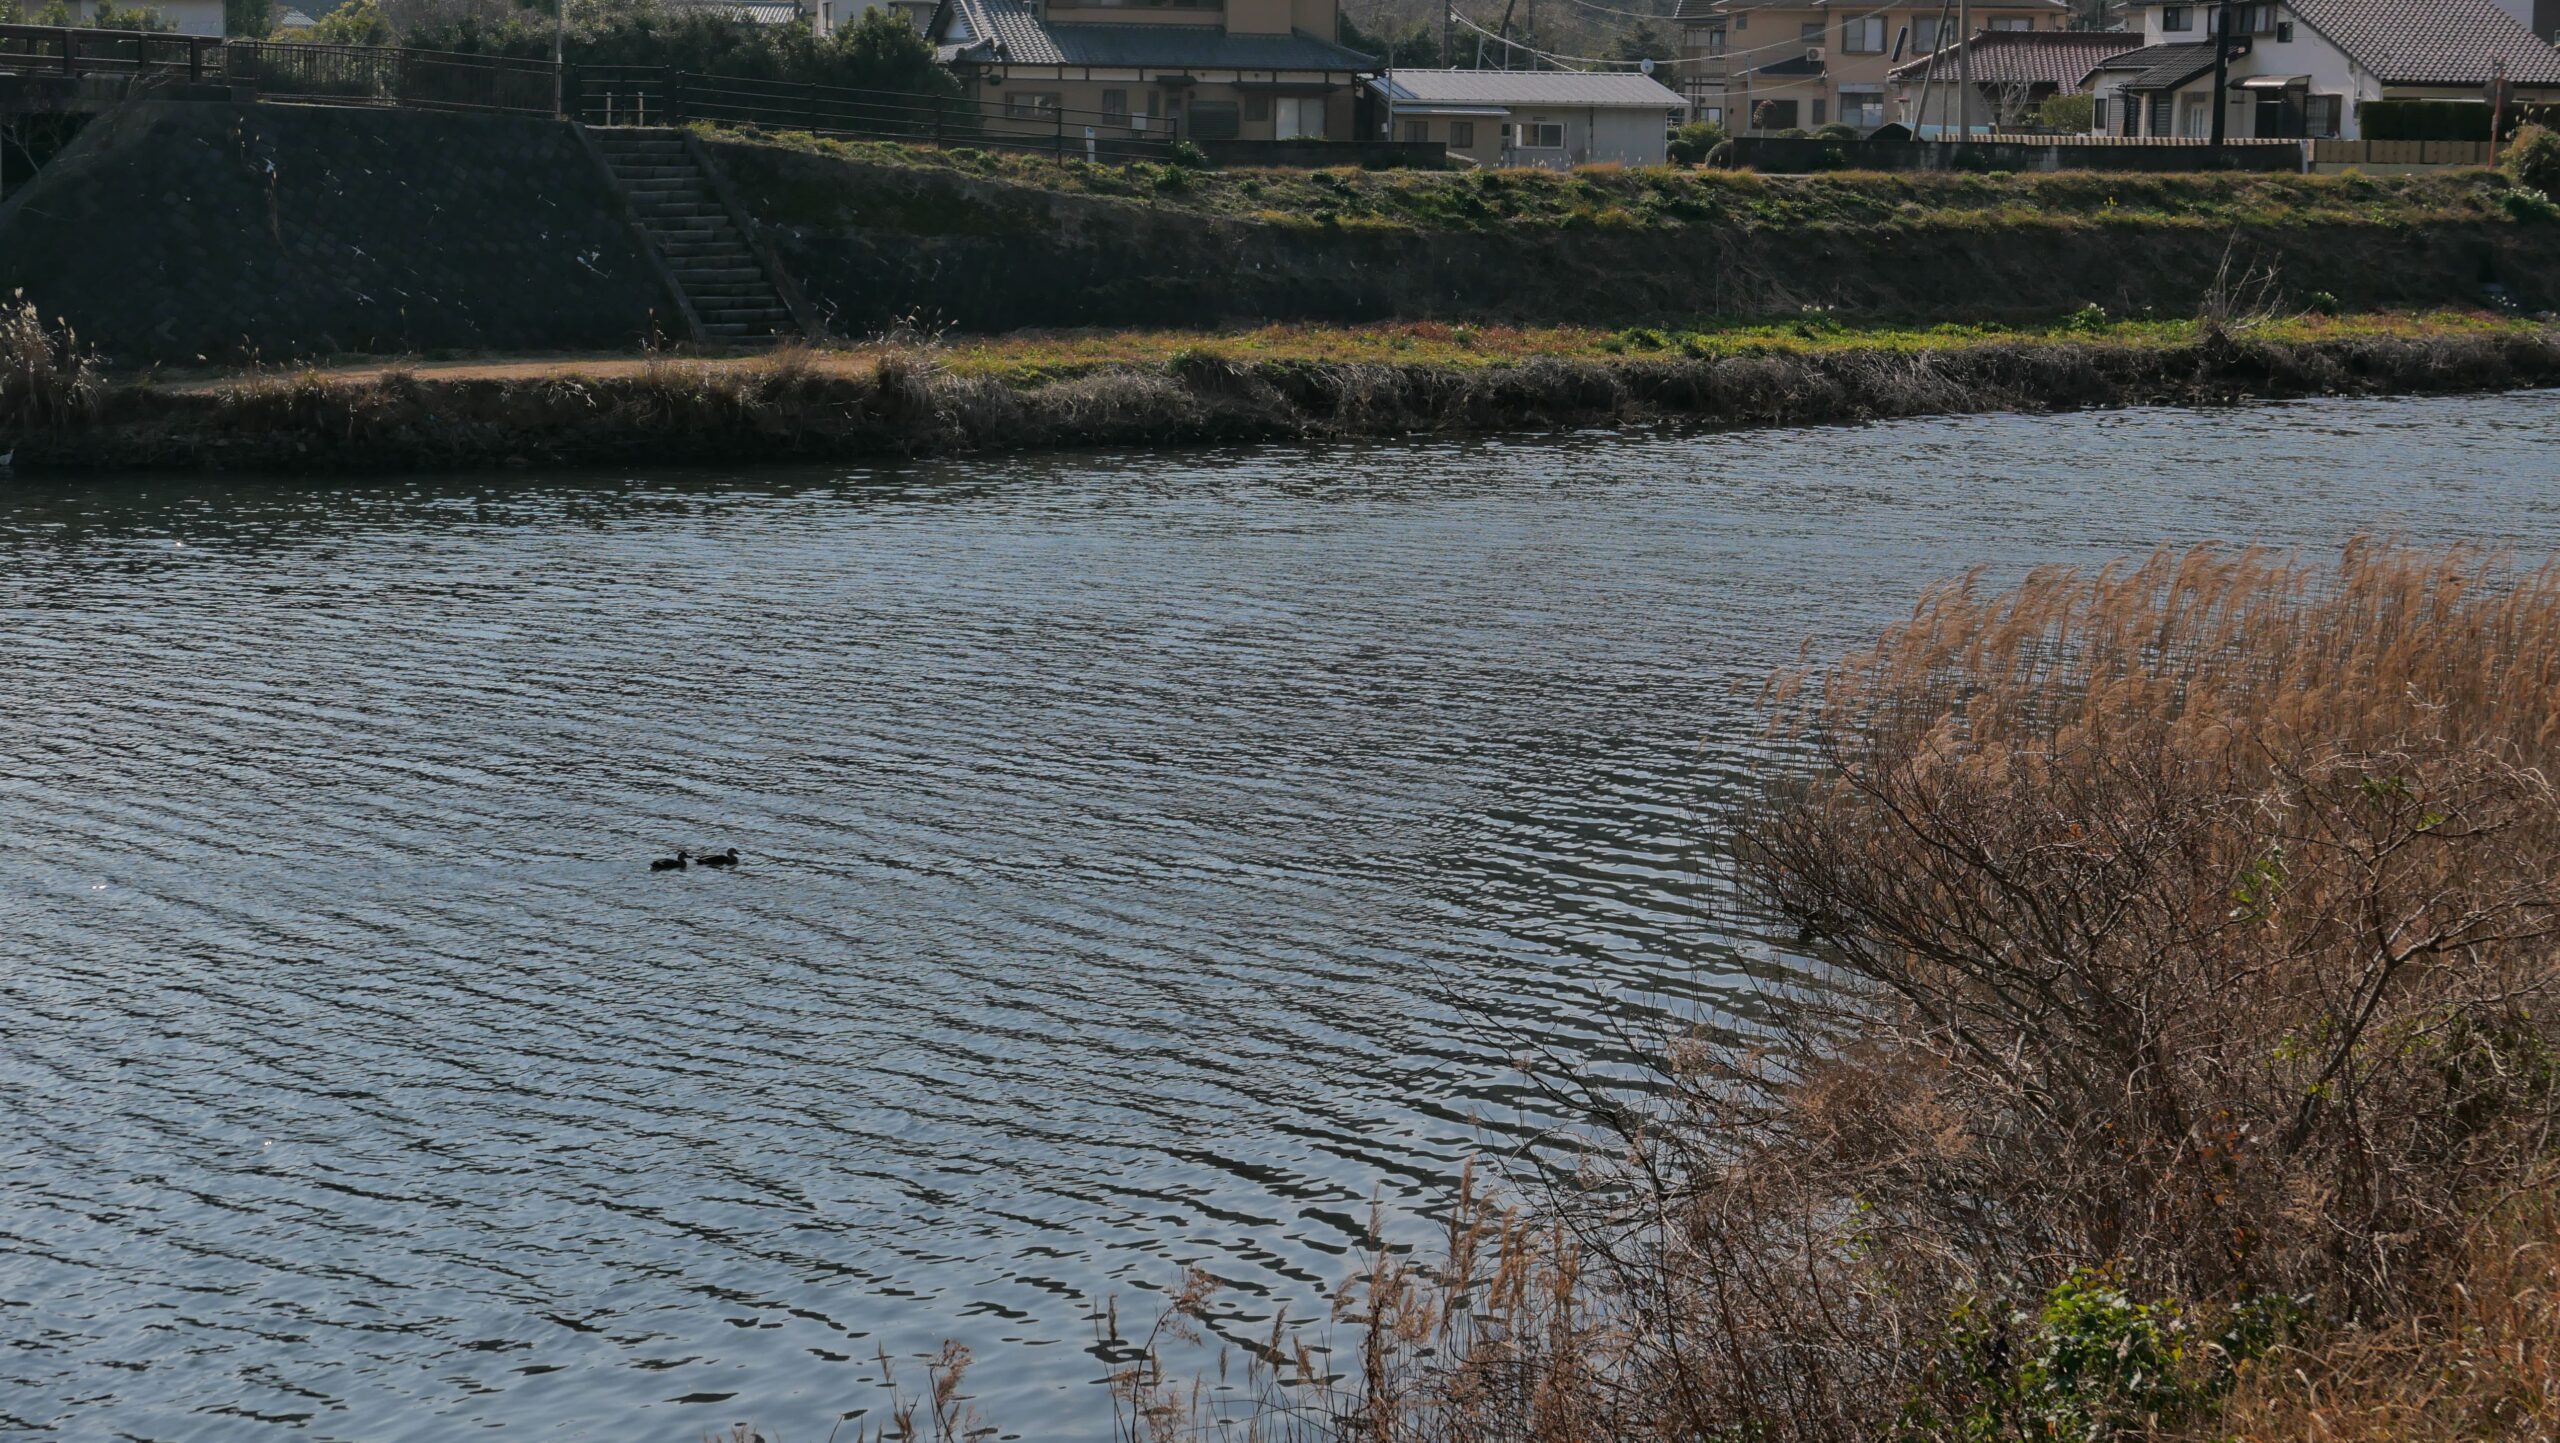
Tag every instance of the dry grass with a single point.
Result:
(2185, 1064)
(48, 380)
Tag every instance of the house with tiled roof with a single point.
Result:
(2299, 68)
(1757, 66)
(2011, 73)
(1152, 69)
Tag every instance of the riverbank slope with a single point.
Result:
(283, 234)
(1275, 384)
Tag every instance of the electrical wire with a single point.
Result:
(1727, 56)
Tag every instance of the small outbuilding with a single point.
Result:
(1547, 118)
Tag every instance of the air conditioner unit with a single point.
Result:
(1813, 53)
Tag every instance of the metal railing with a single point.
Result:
(656, 95)
(377, 75)
(597, 95)
(67, 50)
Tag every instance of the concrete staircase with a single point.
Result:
(697, 237)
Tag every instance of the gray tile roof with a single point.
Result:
(1012, 32)
(2027, 57)
(1530, 87)
(2431, 42)
(2166, 67)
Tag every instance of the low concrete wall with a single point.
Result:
(1788, 155)
(1320, 154)
(175, 231)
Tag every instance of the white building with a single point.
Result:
(1554, 119)
(2298, 68)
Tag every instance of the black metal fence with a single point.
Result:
(375, 75)
(66, 50)
(597, 95)
(655, 95)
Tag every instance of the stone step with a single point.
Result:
(714, 276)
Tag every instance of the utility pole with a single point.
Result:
(2221, 74)
(1964, 68)
(1449, 34)
(1929, 78)
(2497, 102)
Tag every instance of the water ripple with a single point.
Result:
(1151, 860)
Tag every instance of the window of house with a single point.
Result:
(1542, 135)
(2130, 118)
(1417, 131)
(2098, 115)
(1035, 104)
(1862, 35)
(1715, 42)
(2284, 31)
(1215, 120)
(2177, 17)
(1810, 34)
(2321, 115)
(1862, 106)
(1924, 34)
(1462, 134)
(1741, 22)
(2012, 22)
(1774, 115)
(1818, 107)
(1115, 107)
(2161, 106)
(1298, 117)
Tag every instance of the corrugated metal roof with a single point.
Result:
(2432, 42)
(2027, 57)
(1529, 87)
(1013, 33)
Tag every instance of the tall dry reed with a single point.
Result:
(2181, 1055)
(48, 380)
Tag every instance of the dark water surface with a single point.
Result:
(1119, 830)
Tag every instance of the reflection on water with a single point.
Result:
(1119, 832)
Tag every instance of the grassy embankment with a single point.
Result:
(1622, 198)
(1123, 389)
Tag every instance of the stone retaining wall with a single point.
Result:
(173, 231)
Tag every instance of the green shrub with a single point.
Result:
(879, 52)
(2533, 159)
(2087, 320)
(1172, 179)
(1185, 154)
(2070, 112)
(1837, 130)
(358, 23)
(1691, 142)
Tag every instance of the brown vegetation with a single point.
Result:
(48, 382)
(799, 404)
(2180, 1055)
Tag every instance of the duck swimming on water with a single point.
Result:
(728, 858)
(669, 864)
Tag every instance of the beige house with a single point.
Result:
(1154, 69)
(1768, 65)
(1552, 119)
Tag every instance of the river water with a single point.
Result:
(1149, 860)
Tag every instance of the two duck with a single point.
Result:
(683, 858)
